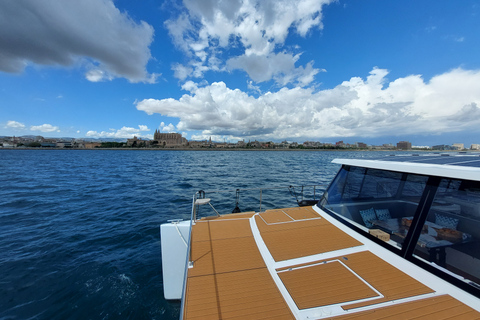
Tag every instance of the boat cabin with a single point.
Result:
(429, 207)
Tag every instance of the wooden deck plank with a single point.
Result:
(202, 259)
(324, 284)
(216, 297)
(236, 254)
(275, 216)
(295, 224)
(228, 229)
(240, 215)
(231, 247)
(302, 213)
(318, 238)
(370, 267)
(430, 308)
(229, 279)
(219, 228)
(388, 280)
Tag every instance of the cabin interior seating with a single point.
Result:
(364, 212)
(381, 210)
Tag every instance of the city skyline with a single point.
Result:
(175, 140)
(370, 71)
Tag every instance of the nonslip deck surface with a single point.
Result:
(230, 280)
(333, 286)
(324, 284)
(303, 237)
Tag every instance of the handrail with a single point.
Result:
(201, 194)
(187, 262)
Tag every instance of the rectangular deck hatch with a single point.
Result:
(326, 283)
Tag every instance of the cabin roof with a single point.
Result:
(457, 166)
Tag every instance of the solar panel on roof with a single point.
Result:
(472, 160)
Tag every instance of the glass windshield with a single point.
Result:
(384, 204)
(450, 237)
(377, 201)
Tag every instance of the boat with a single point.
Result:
(391, 237)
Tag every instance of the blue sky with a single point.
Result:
(370, 71)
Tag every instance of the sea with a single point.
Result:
(79, 229)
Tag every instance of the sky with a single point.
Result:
(372, 71)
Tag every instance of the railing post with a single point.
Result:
(260, 200)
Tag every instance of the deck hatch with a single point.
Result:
(326, 283)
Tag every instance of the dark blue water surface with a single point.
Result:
(79, 230)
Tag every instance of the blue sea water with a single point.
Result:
(79, 229)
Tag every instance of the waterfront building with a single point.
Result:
(92, 145)
(404, 145)
(443, 147)
(135, 142)
(169, 139)
(475, 146)
(458, 146)
(64, 144)
(198, 144)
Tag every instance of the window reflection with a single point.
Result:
(451, 234)
(376, 199)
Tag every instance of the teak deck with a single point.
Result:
(230, 278)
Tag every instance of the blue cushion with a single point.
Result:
(446, 221)
(383, 214)
(367, 216)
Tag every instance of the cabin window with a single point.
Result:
(450, 237)
(375, 199)
(380, 184)
(413, 187)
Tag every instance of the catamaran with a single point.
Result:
(395, 237)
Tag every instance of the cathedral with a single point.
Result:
(169, 139)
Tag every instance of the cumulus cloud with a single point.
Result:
(167, 128)
(358, 107)
(65, 32)
(258, 29)
(45, 128)
(14, 125)
(124, 132)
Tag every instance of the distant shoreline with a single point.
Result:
(222, 149)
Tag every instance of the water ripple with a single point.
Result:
(79, 230)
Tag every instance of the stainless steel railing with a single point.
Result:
(302, 194)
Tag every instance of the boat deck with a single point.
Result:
(294, 264)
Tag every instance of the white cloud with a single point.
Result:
(253, 87)
(124, 132)
(190, 86)
(181, 72)
(68, 31)
(258, 28)
(97, 75)
(167, 128)
(45, 128)
(14, 125)
(358, 107)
